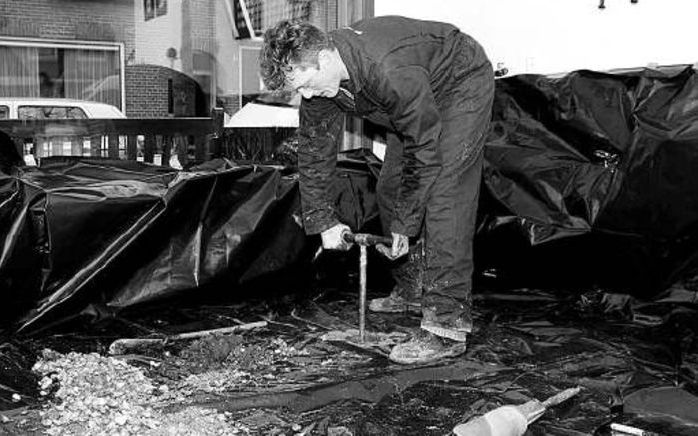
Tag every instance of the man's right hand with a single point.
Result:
(332, 238)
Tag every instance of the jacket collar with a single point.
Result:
(343, 41)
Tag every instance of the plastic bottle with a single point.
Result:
(511, 420)
(502, 421)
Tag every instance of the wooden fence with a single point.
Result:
(147, 140)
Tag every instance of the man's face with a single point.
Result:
(311, 81)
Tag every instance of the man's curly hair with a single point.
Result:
(287, 43)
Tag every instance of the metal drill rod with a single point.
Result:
(363, 261)
(363, 240)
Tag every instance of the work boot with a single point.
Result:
(425, 347)
(394, 303)
(455, 330)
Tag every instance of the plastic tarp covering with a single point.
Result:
(589, 181)
(87, 236)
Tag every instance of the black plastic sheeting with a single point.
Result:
(589, 182)
(91, 237)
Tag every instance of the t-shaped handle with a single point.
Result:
(367, 239)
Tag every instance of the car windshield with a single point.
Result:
(49, 112)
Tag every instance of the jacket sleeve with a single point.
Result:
(412, 108)
(321, 124)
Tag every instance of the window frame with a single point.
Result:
(118, 47)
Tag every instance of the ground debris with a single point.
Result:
(233, 350)
(287, 380)
(231, 363)
(99, 395)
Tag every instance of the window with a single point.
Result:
(49, 112)
(153, 8)
(4, 112)
(55, 70)
(148, 9)
(252, 17)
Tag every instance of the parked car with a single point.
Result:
(16, 108)
(55, 108)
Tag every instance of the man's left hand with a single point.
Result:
(400, 247)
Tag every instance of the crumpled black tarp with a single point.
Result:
(589, 181)
(91, 236)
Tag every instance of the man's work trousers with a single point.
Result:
(446, 258)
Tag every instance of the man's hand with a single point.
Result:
(332, 238)
(400, 247)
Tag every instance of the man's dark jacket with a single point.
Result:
(402, 72)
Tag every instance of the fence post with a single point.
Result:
(166, 150)
(96, 145)
(113, 146)
(218, 121)
(149, 148)
(132, 147)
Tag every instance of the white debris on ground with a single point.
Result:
(214, 381)
(231, 365)
(106, 396)
(90, 394)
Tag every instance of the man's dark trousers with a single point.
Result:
(449, 223)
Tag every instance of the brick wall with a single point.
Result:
(147, 93)
(84, 20)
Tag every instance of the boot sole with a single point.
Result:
(453, 351)
(410, 309)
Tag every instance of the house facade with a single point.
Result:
(149, 58)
